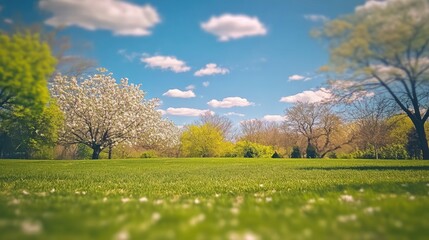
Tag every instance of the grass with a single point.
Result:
(214, 199)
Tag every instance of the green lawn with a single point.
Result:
(214, 199)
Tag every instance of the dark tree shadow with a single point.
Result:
(375, 168)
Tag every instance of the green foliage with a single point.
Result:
(296, 152)
(202, 141)
(253, 150)
(190, 198)
(276, 155)
(25, 65)
(31, 133)
(391, 151)
(149, 154)
(83, 151)
(311, 151)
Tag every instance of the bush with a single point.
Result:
(149, 154)
(311, 151)
(252, 150)
(276, 155)
(296, 152)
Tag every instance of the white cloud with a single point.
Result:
(374, 4)
(8, 20)
(120, 17)
(296, 77)
(129, 56)
(189, 112)
(211, 69)
(230, 102)
(234, 114)
(228, 26)
(166, 62)
(190, 87)
(316, 17)
(176, 93)
(309, 96)
(274, 118)
(206, 84)
(163, 112)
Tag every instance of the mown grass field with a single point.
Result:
(214, 199)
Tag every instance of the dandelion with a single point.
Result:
(143, 199)
(31, 227)
(346, 198)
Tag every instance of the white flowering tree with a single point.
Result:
(101, 113)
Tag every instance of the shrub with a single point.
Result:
(296, 152)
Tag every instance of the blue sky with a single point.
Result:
(251, 53)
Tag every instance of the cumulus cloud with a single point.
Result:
(230, 102)
(166, 63)
(296, 77)
(119, 17)
(190, 87)
(310, 96)
(234, 114)
(274, 118)
(211, 69)
(163, 112)
(206, 84)
(188, 112)
(176, 93)
(371, 4)
(316, 18)
(228, 26)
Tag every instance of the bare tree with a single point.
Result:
(319, 125)
(222, 123)
(386, 50)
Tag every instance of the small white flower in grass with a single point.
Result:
(197, 219)
(52, 190)
(311, 201)
(197, 201)
(122, 235)
(77, 192)
(217, 195)
(105, 199)
(346, 218)
(261, 185)
(156, 217)
(41, 194)
(143, 199)
(25, 192)
(14, 202)
(158, 202)
(83, 193)
(235, 210)
(268, 199)
(346, 198)
(31, 227)
(371, 210)
(412, 198)
(361, 190)
(125, 200)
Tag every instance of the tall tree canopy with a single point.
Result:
(25, 65)
(385, 47)
(101, 113)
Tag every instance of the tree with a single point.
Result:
(101, 113)
(25, 65)
(29, 133)
(385, 49)
(296, 152)
(322, 128)
(202, 141)
(222, 123)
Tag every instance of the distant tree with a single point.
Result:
(296, 152)
(222, 123)
(202, 141)
(253, 150)
(321, 128)
(311, 151)
(101, 113)
(276, 155)
(25, 65)
(385, 49)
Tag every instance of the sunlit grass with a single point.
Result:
(214, 199)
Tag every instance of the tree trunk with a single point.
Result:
(96, 151)
(423, 141)
(110, 151)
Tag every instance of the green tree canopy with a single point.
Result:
(25, 65)
(202, 141)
